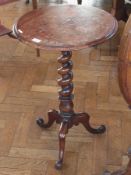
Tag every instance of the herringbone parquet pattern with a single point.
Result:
(28, 89)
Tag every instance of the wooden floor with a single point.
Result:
(28, 89)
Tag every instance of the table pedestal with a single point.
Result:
(66, 116)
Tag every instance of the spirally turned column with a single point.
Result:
(66, 91)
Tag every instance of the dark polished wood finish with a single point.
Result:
(124, 66)
(66, 28)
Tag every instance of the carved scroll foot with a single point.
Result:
(52, 117)
(62, 135)
(83, 118)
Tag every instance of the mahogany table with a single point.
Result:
(66, 28)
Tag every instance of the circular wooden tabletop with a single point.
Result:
(65, 27)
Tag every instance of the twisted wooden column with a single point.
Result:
(65, 93)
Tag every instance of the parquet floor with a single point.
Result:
(28, 89)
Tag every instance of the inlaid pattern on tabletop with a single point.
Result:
(27, 150)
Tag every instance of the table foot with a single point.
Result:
(84, 118)
(62, 135)
(53, 116)
(58, 164)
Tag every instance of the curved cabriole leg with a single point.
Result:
(83, 118)
(62, 135)
(52, 117)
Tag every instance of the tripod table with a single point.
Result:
(66, 28)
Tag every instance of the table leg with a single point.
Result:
(62, 136)
(66, 115)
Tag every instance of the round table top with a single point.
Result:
(65, 27)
